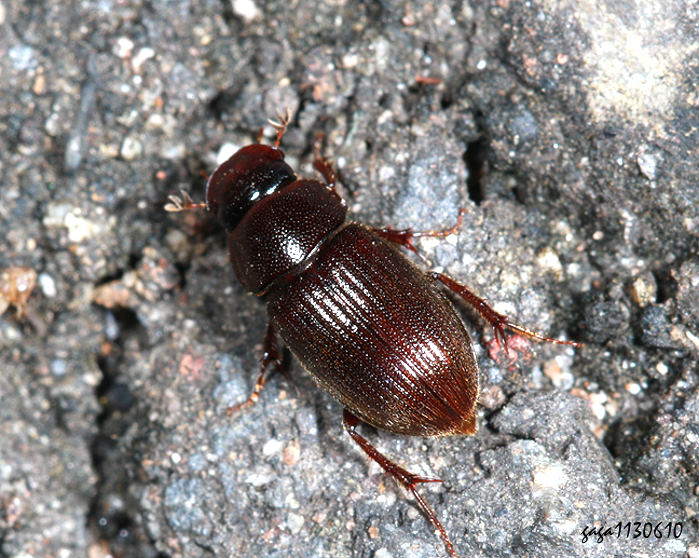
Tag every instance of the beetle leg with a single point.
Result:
(404, 237)
(270, 356)
(322, 164)
(500, 322)
(406, 478)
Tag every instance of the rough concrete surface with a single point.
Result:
(569, 130)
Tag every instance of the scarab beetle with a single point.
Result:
(373, 329)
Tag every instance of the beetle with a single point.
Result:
(373, 329)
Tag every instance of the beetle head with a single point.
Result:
(252, 173)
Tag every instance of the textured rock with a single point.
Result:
(567, 129)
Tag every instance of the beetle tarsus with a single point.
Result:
(404, 237)
(270, 355)
(409, 480)
(521, 330)
(443, 233)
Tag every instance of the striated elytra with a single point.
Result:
(374, 330)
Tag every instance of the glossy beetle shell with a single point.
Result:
(281, 231)
(378, 334)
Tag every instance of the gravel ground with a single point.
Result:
(568, 130)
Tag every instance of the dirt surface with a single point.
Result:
(568, 130)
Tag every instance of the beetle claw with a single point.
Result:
(414, 480)
(501, 338)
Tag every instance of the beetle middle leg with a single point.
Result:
(406, 478)
(405, 237)
(500, 322)
(271, 355)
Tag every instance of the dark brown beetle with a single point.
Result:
(373, 329)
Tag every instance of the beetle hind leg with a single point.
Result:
(271, 355)
(409, 480)
(500, 322)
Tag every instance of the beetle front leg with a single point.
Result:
(500, 322)
(270, 355)
(406, 478)
(404, 237)
(323, 164)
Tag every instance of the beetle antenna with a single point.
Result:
(280, 125)
(183, 202)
